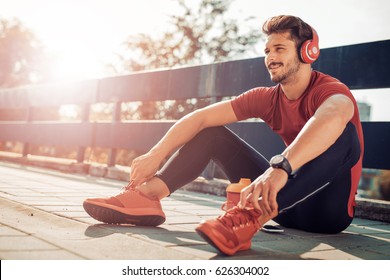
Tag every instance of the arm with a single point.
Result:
(318, 134)
(321, 131)
(145, 166)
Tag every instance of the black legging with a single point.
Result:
(315, 199)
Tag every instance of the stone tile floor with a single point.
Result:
(42, 217)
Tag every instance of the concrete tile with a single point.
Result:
(378, 252)
(285, 245)
(39, 255)
(374, 229)
(27, 199)
(60, 221)
(365, 222)
(344, 240)
(190, 219)
(172, 238)
(198, 251)
(335, 254)
(86, 220)
(61, 208)
(8, 231)
(27, 242)
(72, 214)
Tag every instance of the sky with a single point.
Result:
(87, 33)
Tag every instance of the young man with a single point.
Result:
(310, 186)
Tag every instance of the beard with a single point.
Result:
(291, 68)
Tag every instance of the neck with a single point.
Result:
(296, 86)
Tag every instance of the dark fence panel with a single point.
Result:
(361, 66)
(377, 145)
(139, 136)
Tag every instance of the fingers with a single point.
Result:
(136, 176)
(250, 195)
(244, 196)
(259, 196)
(272, 201)
(141, 170)
(264, 200)
(254, 198)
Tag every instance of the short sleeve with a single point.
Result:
(254, 103)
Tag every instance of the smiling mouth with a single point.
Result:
(274, 65)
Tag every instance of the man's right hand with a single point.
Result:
(143, 168)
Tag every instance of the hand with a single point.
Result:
(143, 168)
(267, 187)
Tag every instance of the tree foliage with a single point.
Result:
(20, 52)
(197, 35)
(203, 34)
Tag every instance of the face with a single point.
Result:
(281, 57)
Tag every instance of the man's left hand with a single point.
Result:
(265, 187)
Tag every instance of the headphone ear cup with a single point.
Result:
(309, 50)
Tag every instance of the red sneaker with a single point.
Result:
(129, 207)
(231, 232)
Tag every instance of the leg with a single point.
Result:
(316, 199)
(236, 158)
(141, 206)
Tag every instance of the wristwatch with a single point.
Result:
(279, 161)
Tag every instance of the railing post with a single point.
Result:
(28, 119)
(116, 117)
(85, 110)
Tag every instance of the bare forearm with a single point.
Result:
(180, 133)
(320, 132)
(186, 128)
(315, 138)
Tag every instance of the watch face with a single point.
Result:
(277, 159)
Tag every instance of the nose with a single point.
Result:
(270, 57)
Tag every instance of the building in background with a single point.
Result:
(370, 179)
(364, 111)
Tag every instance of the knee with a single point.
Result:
(350, 140)
(211, 133)
(350, 136)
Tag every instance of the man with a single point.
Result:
(310, 186)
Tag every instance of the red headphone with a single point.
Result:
(310, 50)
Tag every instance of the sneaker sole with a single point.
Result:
(220, 246)
(111, 216)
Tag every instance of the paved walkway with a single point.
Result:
(42, 217)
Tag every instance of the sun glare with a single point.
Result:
(82, 37)
(74, 38)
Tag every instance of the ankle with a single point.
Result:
(149, 194)
(154, 189)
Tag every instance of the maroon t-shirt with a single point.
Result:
(287, 117)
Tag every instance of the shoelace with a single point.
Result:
(236, 217)
(227, 205)
(127, 188)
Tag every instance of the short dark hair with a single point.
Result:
(299, 30)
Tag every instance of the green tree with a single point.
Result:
(199, 35)
(20, 53)
(202, 34)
